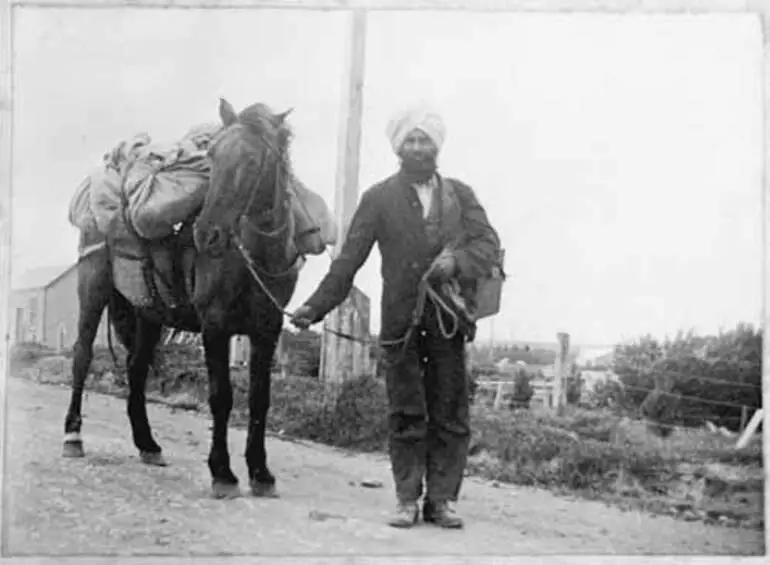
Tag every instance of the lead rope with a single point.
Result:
(425, 291)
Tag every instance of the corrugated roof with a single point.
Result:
(38, 277)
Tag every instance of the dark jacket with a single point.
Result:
(390, 214)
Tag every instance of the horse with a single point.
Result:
(236, 263)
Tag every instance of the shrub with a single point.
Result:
(691, 379)
(574, 390)
(606, 393)
(358, 420)
(522, 390)
(304, 352)
(24, 355)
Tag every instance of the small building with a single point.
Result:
(45, 308)
(595, 357)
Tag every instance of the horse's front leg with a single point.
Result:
(224, 483)
(261, 480)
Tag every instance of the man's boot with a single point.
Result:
(442, 514)
(405, 516)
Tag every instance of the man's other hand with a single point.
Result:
(443, 267)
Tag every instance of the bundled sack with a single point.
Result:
(166, 184)
(105, 185)
(87, 213)
(163, 184)
(80, 214)
(166, 193)
(310, 211)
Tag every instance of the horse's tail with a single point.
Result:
(109, 335)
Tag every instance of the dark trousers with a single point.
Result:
(429, 422)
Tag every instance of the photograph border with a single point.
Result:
(760, 8)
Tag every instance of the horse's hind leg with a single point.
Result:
(94, 288)
(145, 341)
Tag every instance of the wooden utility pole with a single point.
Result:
(338, 355)
(560, 374)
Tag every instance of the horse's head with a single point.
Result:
(247, 205)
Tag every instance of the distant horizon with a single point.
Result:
(555, 344)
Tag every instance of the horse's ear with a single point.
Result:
(278, 119)
(227, 112)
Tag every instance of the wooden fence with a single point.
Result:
(239, 345)
(543, 391)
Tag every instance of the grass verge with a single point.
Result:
(691, 475)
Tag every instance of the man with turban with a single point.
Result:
(423, 223)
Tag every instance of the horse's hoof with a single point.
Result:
(263, 490)
(155, 459)
(73, 449)
(220, 490)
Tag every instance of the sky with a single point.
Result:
(619, 157)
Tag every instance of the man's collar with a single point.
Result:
(433, 181)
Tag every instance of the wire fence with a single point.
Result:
(678, 374)
(544, 390)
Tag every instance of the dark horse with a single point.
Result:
(236, 262)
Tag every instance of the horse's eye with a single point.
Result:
(214, 237)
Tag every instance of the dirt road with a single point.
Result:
(109, 502)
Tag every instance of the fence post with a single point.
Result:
(756, 419)
(560, 374)
(282, 354)
(498, 394)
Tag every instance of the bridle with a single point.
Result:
(281, 203)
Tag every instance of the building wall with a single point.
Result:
(61, 314)
(27, 315)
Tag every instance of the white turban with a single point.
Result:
(422, 118)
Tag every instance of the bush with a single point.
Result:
(25, 354)
(584, 453)
(691, 379)
(304, 352)
(522, 390)
(359, 420)
(574, 384)
(540, 450)
(606, 394)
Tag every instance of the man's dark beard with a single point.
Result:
(418, 170)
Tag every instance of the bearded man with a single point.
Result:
(422, 223)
